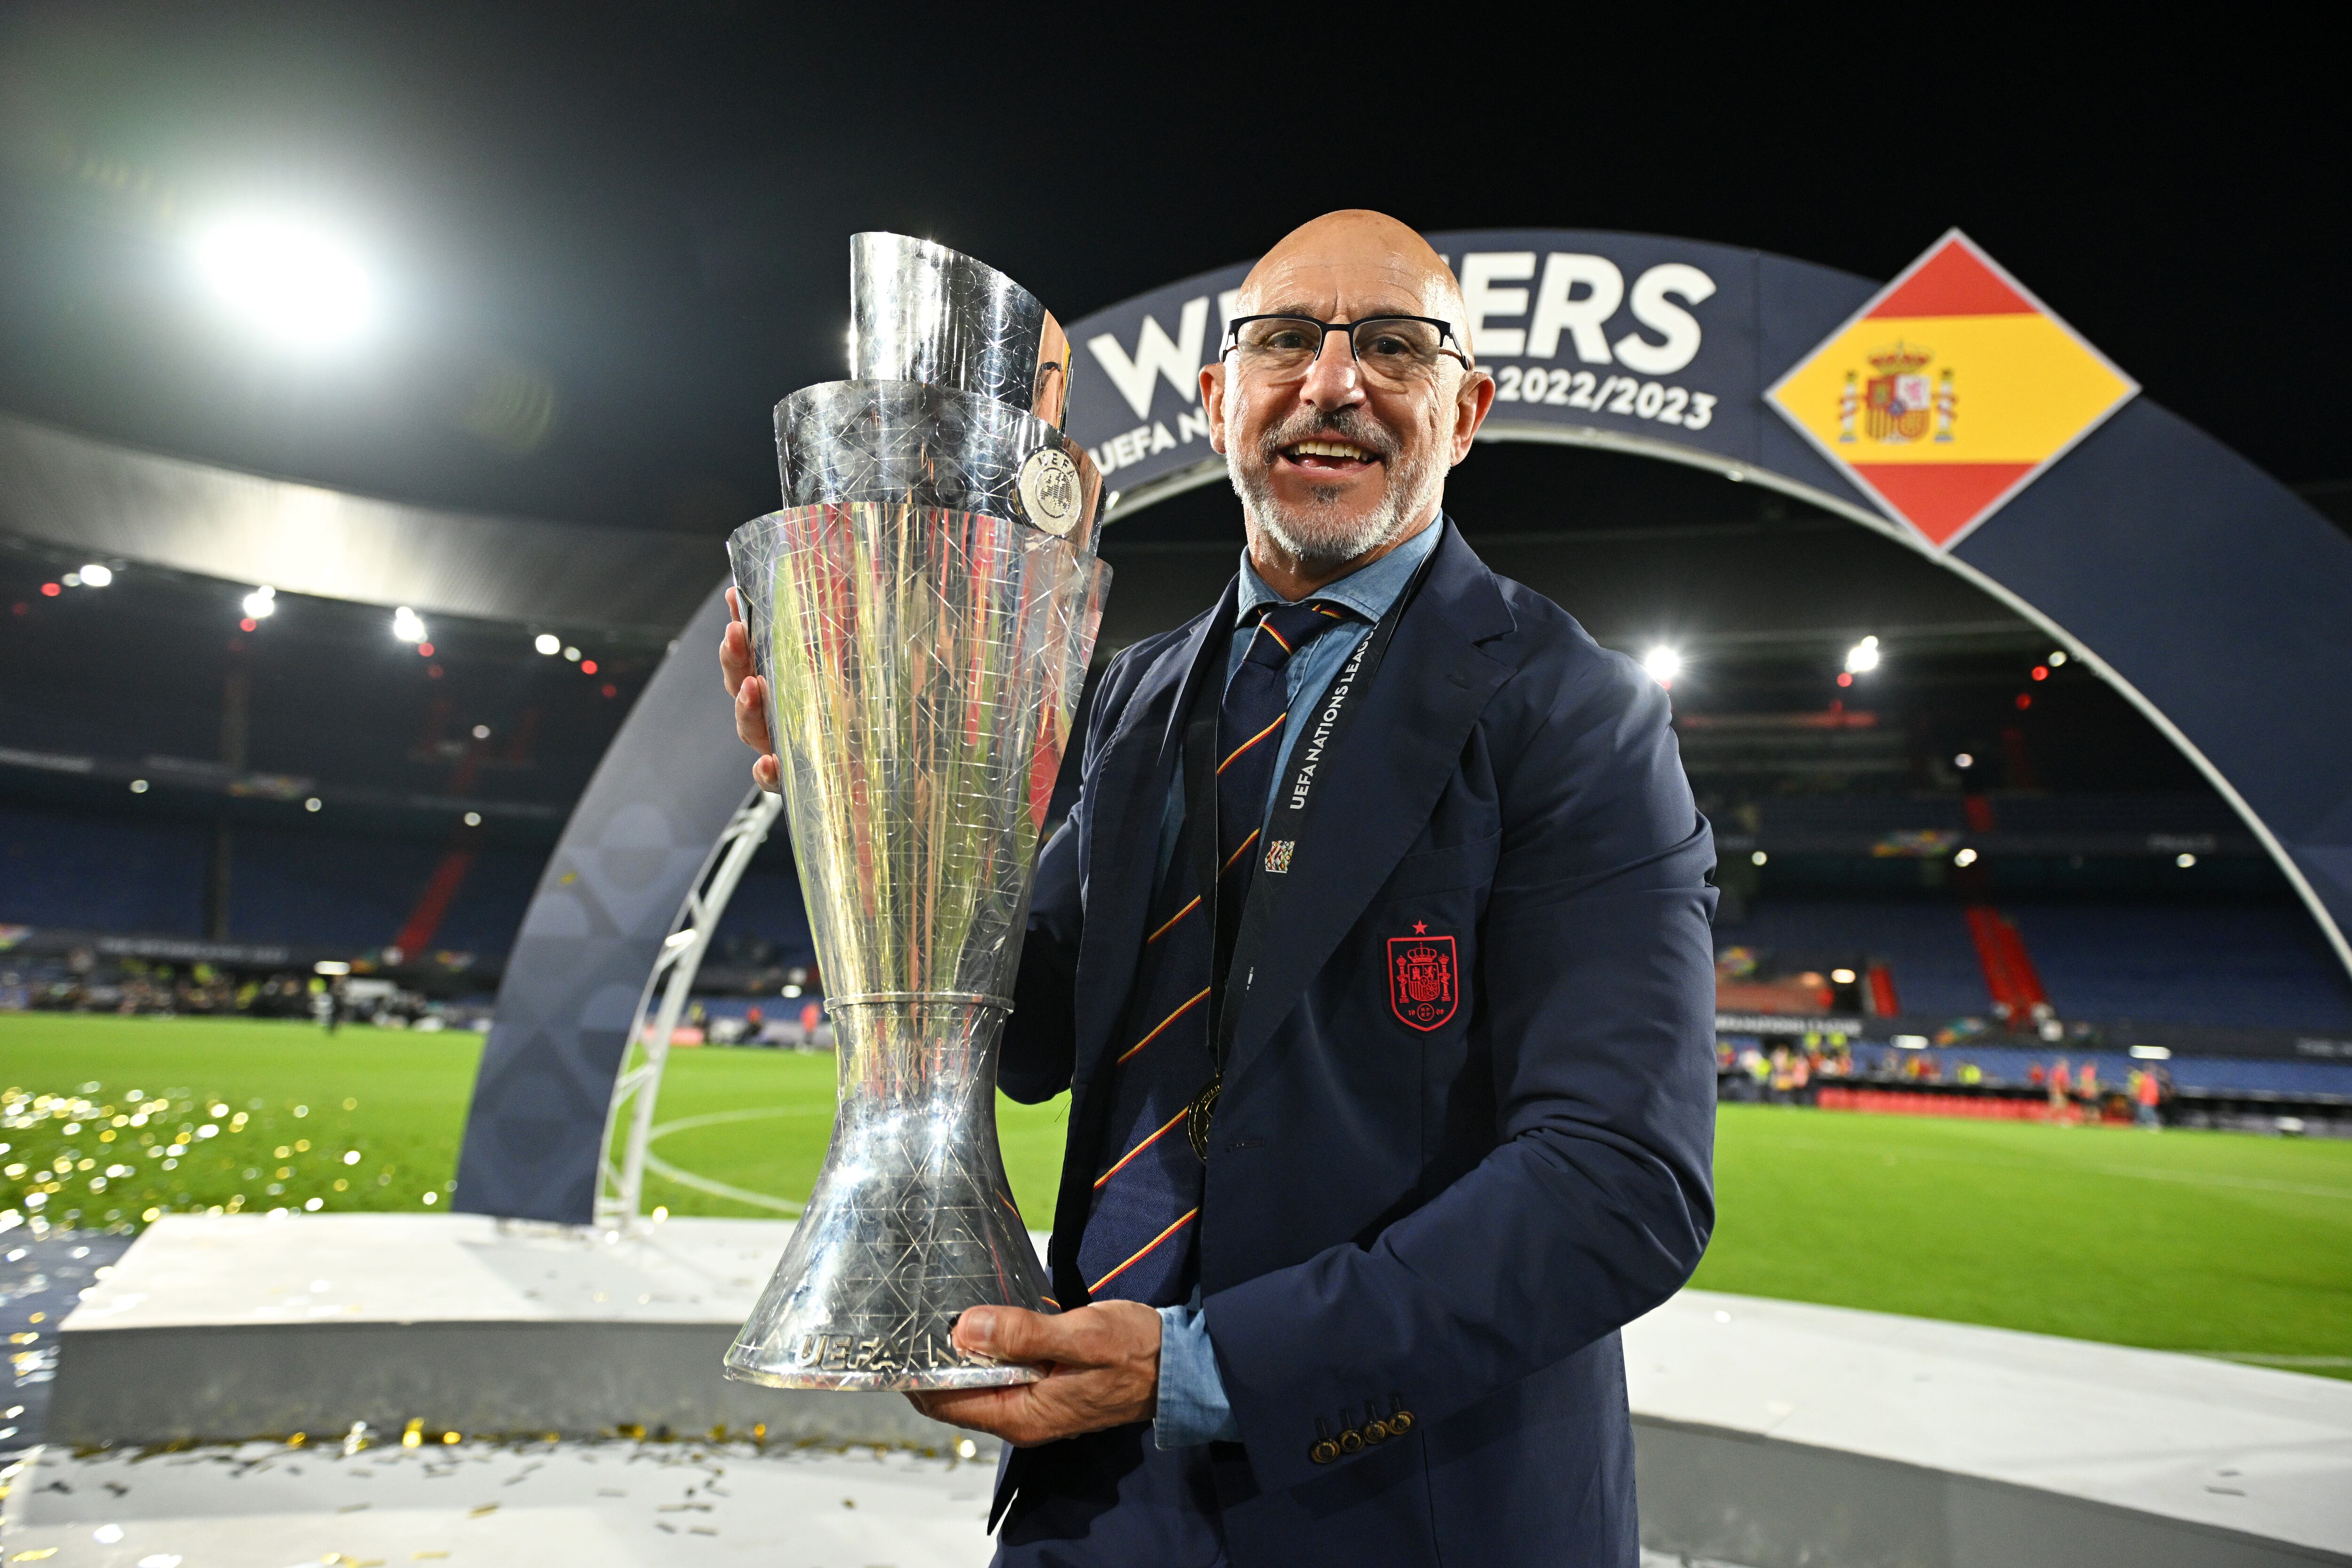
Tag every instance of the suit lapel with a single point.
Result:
(1386, 779)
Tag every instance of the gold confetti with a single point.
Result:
(34, 1555)
(421, 1556)
(485, 1508)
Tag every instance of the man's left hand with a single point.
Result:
(1101, 1364)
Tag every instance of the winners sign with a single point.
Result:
(1933, 400)
(1612, 336)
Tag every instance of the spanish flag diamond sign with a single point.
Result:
(1950, 392)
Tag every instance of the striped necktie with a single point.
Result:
(1138, 1240)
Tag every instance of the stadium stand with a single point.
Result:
(766, 914)
(1924, 943)
(92, 872)
(2223, 965)
(2255, 965)
(97, 873)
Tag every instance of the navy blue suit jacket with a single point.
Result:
(1449, 1217)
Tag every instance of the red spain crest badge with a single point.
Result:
(1424, 984)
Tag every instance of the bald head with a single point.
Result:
(1338, 462)
(1348, 265)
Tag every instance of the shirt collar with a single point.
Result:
(1368, 590)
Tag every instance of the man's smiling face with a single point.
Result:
(1335, 466)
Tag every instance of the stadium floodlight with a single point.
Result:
(97, 576)
(300, 285)
(313, 804)
(1964, 761)
(331, 966)
(1909, 1042)
(1664, 664)
(2152, 1053)
(548, 643)
(2057, 657)
(1964, 857)
(1758, 857)
(407, 625)
(1863, 657)
(481, 731)
(473, 819)
(2184, 860)
(261, 604)
(572, 654)
(1842, 976)
(138, 786)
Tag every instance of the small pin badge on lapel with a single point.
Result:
(1278, 853)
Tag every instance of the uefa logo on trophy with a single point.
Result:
(923, 609)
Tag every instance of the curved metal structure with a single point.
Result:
(619, 1186)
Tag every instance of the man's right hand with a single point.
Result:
(750, 694)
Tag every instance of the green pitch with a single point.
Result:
(2209, 1242)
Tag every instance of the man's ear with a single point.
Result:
(1213, 402)
(1472, 400)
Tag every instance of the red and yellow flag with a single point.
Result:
(1950, 392)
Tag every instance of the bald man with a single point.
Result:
(1375, 957)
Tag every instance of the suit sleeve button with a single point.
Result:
(1324, 1452)
(1351, 1441)
(1400, 1423)
(1376, 1432)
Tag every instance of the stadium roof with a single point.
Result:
(108, 502)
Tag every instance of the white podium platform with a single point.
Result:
(1770, 1433)
(1870, 1438)
(220, 1328)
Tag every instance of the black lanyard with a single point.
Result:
(1285, 831)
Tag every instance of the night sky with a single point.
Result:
(613, 236)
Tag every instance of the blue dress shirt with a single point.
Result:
(1192, 1403)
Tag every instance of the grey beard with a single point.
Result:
(1313, 535)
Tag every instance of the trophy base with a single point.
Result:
(911, 1222)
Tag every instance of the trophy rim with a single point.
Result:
(933, 250)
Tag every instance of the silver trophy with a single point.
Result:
(923, 608)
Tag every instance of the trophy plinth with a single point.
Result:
(923, 609)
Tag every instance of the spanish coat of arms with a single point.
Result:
(1424, 985)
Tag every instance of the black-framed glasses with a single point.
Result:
(1393, 350)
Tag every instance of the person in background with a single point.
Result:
(2062, 1093)
(2145, 1095)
